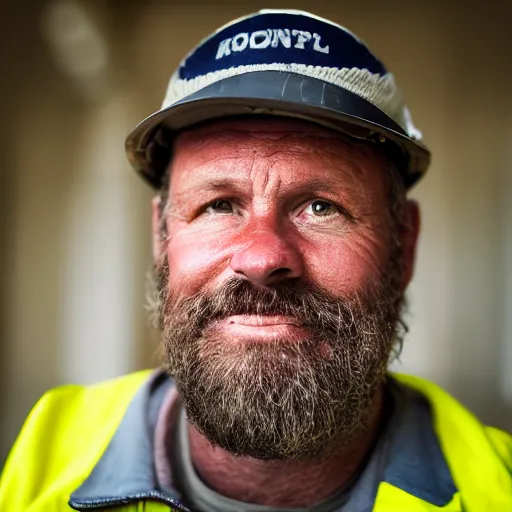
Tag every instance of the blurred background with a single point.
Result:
(75, 223)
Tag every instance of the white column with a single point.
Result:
(98, 295)
(506, 225)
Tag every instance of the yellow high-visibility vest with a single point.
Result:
(69, 429)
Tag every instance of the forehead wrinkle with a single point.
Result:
(324, 146)
(245, 146)
(212, 173)
(203, 138)
(320, 160)
(197, 184)
(304, 139)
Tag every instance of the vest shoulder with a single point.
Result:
(502, 442)
(63, 437)
(88, 410)
(101, 392)
(471, 449)
(448, 411)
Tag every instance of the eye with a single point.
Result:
(219, 206)
(320, 208)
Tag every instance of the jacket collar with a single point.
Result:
(125, 473)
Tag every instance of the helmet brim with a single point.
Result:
(282, 94)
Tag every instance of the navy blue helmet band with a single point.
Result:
(283, 38)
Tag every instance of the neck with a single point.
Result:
(293, 483)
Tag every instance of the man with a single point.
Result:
(283, 245)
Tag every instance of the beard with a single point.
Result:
(282, 399)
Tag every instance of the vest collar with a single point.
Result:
(125, 473)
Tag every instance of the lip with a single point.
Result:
(261, 320)
(261, 328)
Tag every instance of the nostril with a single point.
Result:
(280, 272)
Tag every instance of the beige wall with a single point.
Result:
(75, 232)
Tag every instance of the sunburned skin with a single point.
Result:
(268, 201)
(273, 173)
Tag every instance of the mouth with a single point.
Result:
(261, 327)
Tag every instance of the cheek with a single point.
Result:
(195, 259)
(343, 266)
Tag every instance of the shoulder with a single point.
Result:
(69, 427)
(469, 447)
(104, 395)
(61, 412)
(502, 443)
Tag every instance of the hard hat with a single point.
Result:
(286, 63)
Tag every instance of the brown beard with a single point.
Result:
(280, 399)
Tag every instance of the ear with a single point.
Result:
(409, 232)
(156, 221)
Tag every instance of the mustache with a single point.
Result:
(309, 305)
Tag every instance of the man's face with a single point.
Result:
(280, 283)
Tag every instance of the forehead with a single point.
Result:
(232, 144)
(267, 128)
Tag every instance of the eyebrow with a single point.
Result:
(239, 186)
(210, 185)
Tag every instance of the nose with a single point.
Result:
(267, 259)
